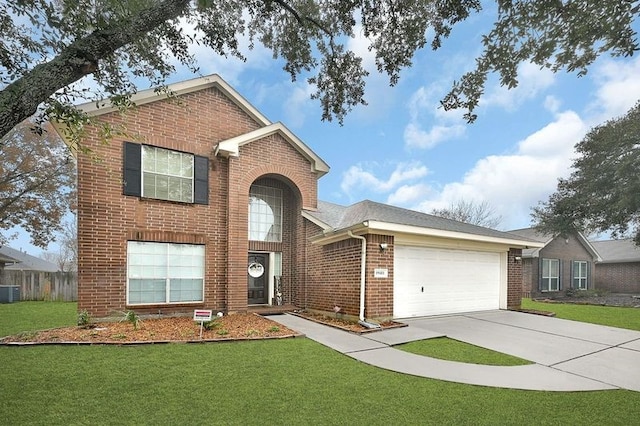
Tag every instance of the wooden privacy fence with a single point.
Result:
(34, 285)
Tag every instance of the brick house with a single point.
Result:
(205, 203)
(562, 263)
(618, 271)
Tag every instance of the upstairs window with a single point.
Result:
(265, 214)
(550, 277)
(154, 172)
(167, 175)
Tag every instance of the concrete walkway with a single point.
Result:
(568, 355)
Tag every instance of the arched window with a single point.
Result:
(265, 214)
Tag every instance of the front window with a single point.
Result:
(580, 275)
(166, 174)
(265, 214)
(550, 275)
(164, 273)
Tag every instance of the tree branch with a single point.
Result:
(20, 99)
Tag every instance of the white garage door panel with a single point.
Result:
(432, 281)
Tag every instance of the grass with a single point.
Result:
(31, 316)
(455, 350)
(613, 316)
(291, 381)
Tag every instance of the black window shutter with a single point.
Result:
(201, 180)
(131, 169)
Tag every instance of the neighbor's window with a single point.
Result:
(265, 214)
(167, 175)
(164, 273)
(580, 274)
(550, 279)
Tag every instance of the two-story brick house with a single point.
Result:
(205, 203)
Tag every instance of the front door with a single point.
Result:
(258, 282)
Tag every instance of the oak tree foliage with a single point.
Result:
(47, 45)
(603, 191)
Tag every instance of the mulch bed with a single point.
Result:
(158, 330)
(345, 324)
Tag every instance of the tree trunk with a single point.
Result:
(20, 99)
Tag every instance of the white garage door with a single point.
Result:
(429, 281)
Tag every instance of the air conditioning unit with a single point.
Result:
(9, 293)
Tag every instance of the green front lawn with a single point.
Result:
(32, 316)
(291, 381)
(604, 315)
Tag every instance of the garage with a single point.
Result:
(437, 281)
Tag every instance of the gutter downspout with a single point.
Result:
(363, 275)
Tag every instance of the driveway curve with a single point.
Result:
(568, 355)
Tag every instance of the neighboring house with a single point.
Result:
(25, 262)
(208, 204)
(4, 259)
(562, 263)
(619, 269)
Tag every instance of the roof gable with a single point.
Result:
(231, 147)
(547, 239)
(146, 96)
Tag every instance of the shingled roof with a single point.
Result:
(617, 251)
(334, 217)
(26, 262)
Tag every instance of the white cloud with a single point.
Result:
(408, 194)
(446, 125)
(298, 104)
(531, 81)
(415, 136)
(359, 45)
(619, 89)
(356, 177)
(512, 184)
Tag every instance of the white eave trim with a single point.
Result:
(590, 247)
(181, 88)
(370, 226)
(231, 147)
(316, 221)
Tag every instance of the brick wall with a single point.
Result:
(332, 276)
(107, 219)
(514, 279)
(618, 277)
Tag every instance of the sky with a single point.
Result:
(402, 149)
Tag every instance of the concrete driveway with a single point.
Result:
(605, 354)
(567, 355)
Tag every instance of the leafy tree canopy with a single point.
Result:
(47, 45)
(481, 214)
(37, 184)
(603, 192)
